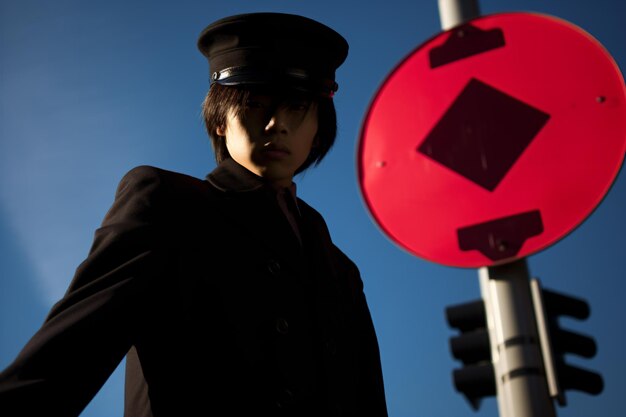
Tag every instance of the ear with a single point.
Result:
(221, 131)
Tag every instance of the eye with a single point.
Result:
(298, 105)
(255, 104)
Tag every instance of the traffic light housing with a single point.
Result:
(561, 342)
(476, 379)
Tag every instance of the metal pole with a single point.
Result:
(455, 12)
(515, 351)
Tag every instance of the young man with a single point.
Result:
(227, 295)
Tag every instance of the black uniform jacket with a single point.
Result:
(221, 310)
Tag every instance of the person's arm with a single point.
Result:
(371, 386)
(88, 332)
(370, 389)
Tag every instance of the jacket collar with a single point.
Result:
(229, 176)
(267, 222)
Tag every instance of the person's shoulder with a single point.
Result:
(308, 211)
(314, 216)
(342, 261)
(146, 175)
(147, 172)
(163, 195)
(162, 187)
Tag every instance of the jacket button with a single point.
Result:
(273, 266)
(282, 326)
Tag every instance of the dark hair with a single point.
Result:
(222, 99)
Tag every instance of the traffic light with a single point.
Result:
(561, 342)
(476, 379)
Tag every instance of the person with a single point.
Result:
(227, 295)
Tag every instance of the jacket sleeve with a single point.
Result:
(370, 384)
(88, 332)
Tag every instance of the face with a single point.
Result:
(272, 138)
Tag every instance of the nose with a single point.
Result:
(277, 122)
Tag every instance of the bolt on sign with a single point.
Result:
(493, 140)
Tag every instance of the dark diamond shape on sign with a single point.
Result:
(501, 238)
(483, 134)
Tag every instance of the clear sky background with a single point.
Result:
(89, 90)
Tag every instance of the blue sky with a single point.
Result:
(90, 89)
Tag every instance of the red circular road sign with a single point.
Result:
(493, 140)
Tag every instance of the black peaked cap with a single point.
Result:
(274, 49)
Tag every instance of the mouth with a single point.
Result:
(275, 150)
